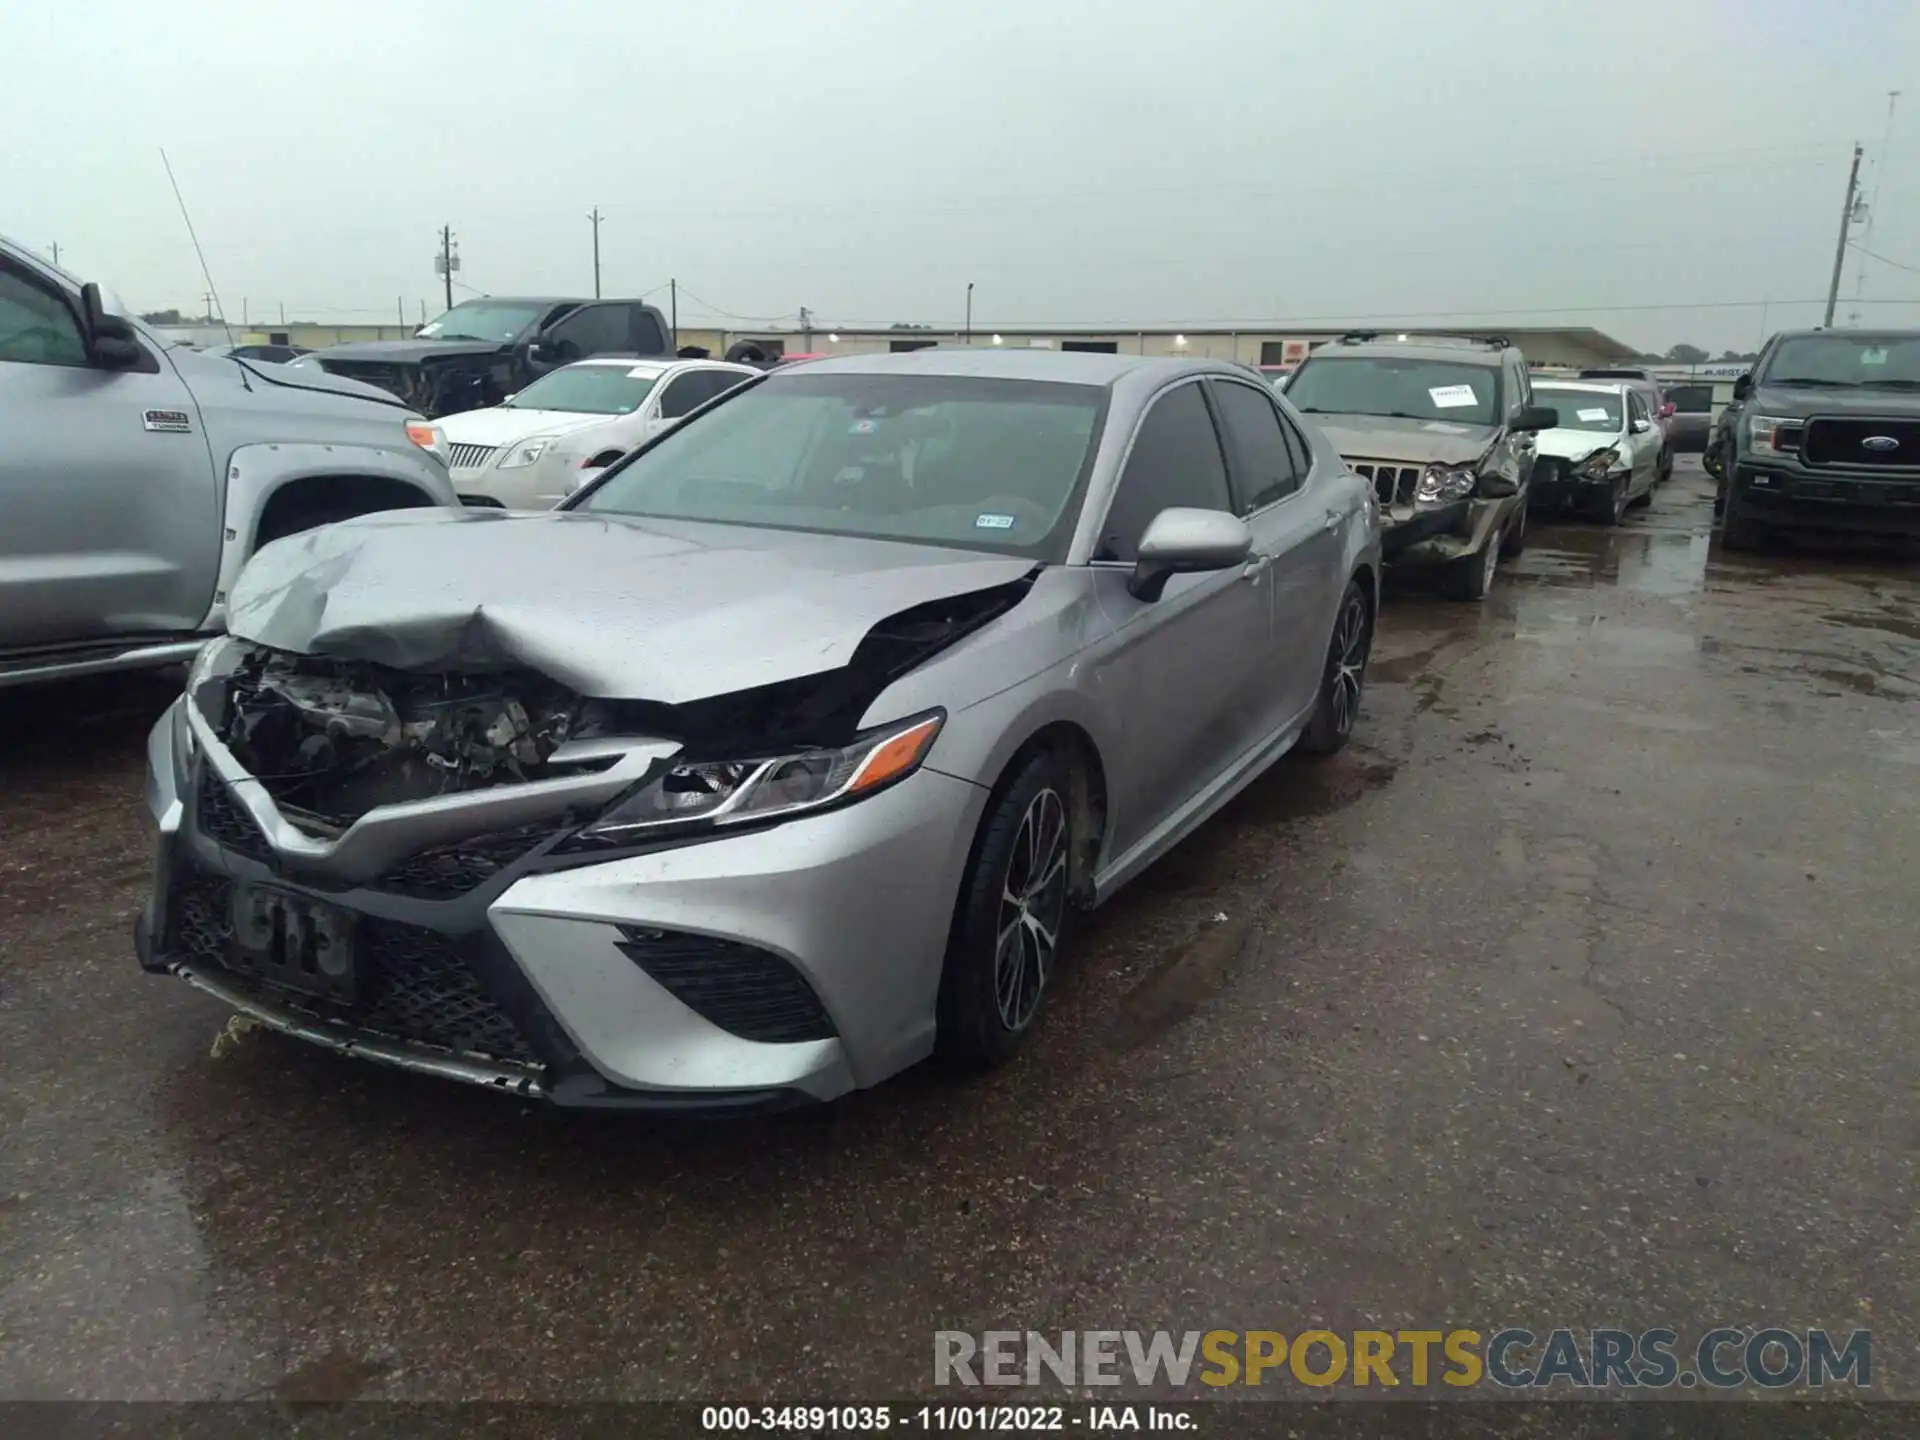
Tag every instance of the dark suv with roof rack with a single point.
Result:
(1826, 437)
(1443, 428)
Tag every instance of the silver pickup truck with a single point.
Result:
(136, 479)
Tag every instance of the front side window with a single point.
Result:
(1402, 387)
(688, 392)
(961, 461)
(37, 328)
(1595, 410)
(586, 390)
(489, 320)
(1264, 468)
(1175, 462)
(1834, 361)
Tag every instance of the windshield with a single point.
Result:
(960, 461)
(587, 390)
(1584, 409)
(480, 320)
(1860, 361)
(1386, 385)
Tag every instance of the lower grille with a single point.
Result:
(1863, 443)
(413, 983)
(1548, 470)
(744, 990)
(469, 457)
(450, 870)
(1392, 484)
(225, 821)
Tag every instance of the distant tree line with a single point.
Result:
(1693, 355)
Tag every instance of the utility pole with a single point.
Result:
(244, 321)
(283, 312)
(207, 300)
(447, 261)
(595, 218)
(806, 328)
(56, 252)
(969, 312)
(1873, 205)
(1840, 246)
(673, 319)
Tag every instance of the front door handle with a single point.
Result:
(1255, 567)
(1333, 520)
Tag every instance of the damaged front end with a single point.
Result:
(330, 740)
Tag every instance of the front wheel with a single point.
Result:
(1012, 916)
(1344, 675)
(1616, 510)
(1516, 537)
(1472, 577)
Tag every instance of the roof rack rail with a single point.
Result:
(1416, 337)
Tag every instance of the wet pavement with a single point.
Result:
(1581, 990)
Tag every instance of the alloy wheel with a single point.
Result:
(1033, 903)
(1351, 641)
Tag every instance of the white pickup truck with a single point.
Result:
(136, 479)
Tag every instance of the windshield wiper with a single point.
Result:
(1895, 384)
(1813, 380)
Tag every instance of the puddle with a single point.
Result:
(1644, 562)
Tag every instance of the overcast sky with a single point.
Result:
(1116, 162)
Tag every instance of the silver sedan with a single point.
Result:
(783, 756)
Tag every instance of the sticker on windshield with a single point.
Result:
(1874, 356)
(642, 372)
(1453, 397)
(432, 328)
(863, 427)
(993, 522)
(1592, 414)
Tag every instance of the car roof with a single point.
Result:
(1487, 356)
(1070, 367)
(1603, 387)
(659, 364)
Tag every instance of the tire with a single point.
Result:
(1472, 577)
(1665, 471)
(987, 1008)
(1616, 510)
(1515, 540)
(1344, 677)
(1741, 532)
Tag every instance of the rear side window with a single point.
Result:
(1264, 468)
(648, 337)
(1691, 399)
(693, 389)
(1175, 461)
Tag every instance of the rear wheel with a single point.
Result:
(1012, 916)
(1344, 676)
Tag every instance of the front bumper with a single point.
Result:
(1444, 534)
(547, 978)
(1558, 489)
(1795, 498)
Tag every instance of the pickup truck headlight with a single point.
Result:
(1599, 465)
(734, 792)
(1775, 434)
(526, 452)
(1441, 484)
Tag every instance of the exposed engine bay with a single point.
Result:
(333, 739)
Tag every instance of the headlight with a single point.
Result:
(1440, 484)
(526, 452)
(1775, 434)
(1597, 465)
(735, 792)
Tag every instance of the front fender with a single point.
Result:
(256, 472)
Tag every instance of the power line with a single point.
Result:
(1898, 265)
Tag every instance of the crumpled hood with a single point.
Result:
(499, 425)
(1571, 444)
(409, 352)
(1415, 442)
(668, 611)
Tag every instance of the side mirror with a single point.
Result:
(1641, 427)
(1743, 387)
(1536, 417)
(1183, 542)
(108, 332)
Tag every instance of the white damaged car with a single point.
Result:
(1602, 457)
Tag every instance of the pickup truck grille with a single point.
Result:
(369, 372)
(469, 457)
(1837, 441)
(1393, 484)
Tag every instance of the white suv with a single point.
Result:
(532, 450)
